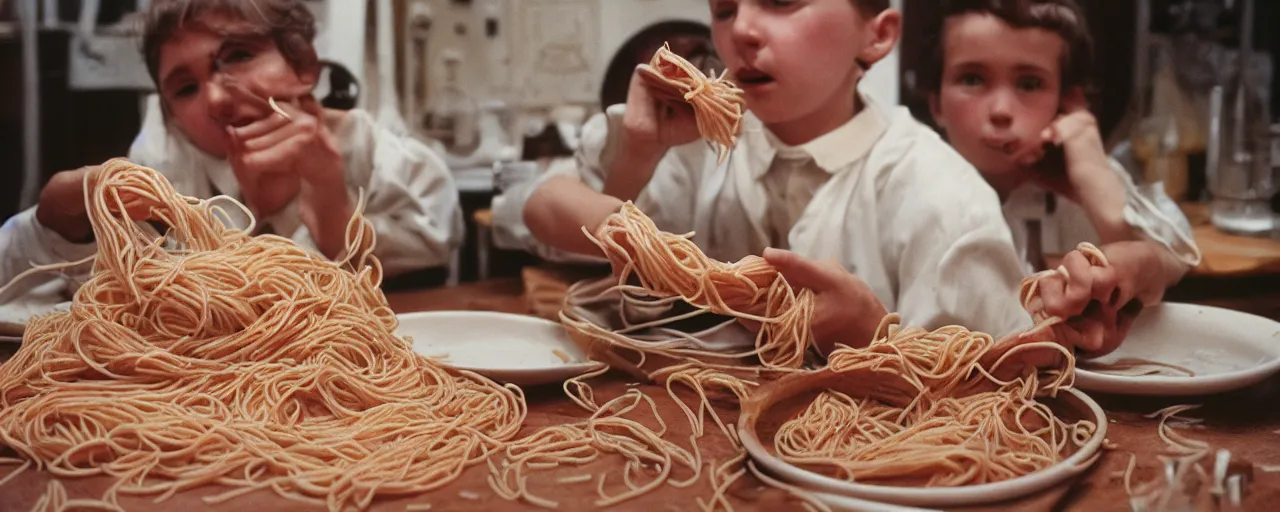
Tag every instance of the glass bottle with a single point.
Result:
(453, 116)
(1242, 180)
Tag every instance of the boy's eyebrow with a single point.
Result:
(1031, 67)
(969, 64)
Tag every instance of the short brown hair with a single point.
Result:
(1062, 17)
(871, 7)
(287, 23)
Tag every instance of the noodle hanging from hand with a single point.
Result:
(669, 265)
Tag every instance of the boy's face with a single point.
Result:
(1000, 89)
(792, 58)
(210, 79)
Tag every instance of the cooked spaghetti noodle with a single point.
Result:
(210, 356)
(717, 102)
(669, 266)
(964, 426)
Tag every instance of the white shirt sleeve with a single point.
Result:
(1151, 213)
(668, 198)
(1157, 218)
(951, 249)
(962, 272)
(25, 243)
(411, 198)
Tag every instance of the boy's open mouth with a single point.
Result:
(752, 77)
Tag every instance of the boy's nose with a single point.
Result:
(746, 32)
(221, 107)
(1001, 111)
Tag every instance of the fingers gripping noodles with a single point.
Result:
(242, 361)
(991, 429)
(717, 102)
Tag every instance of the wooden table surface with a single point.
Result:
(1244, 422)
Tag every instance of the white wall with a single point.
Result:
(622, 19)
(881, 82)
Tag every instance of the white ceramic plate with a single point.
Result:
(1226, 349)
(518, 349)
(831, 490)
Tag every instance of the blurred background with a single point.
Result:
(502, 86)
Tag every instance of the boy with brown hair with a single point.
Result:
(818, 169)
(1006, 82)
(236, 117)
(217, 64)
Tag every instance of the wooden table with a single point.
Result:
(1244, 422)
(1235, 272)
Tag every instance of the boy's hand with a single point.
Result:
(1100, 303)
(845, 310)
(275, 156)
(1084, 174)
(657, 119)
(286, 155)
(62, 204)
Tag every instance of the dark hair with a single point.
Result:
(871, 7)
(1062, 17)
(287, 23)
(617, 77)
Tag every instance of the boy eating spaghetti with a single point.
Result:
(818, 168)
(217, 65)
(1006, 83)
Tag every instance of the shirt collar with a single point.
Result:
(835, 150)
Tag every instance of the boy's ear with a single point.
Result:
(885, 29)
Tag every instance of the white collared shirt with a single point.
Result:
(1148, 210)
(411, 199)
(883, 195)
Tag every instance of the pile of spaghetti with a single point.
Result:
(212, 357)
(671, 267)
(717, 102)
(964, 426)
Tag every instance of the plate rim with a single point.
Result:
(499, 373)
(1166, 385)
(934, 497)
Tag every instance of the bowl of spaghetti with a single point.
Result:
(948, 417)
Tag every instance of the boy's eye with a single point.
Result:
(781, 3)
(233, 55)
(1030, 83)
(185, 91)
(724, 10)
(236, 55)
(969, 79)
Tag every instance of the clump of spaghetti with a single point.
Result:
(209, 356)
(717, 102)
(669, 265)
(964, 425)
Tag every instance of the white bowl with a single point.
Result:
(1226, 349)
(761, 405)
(517, 349)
